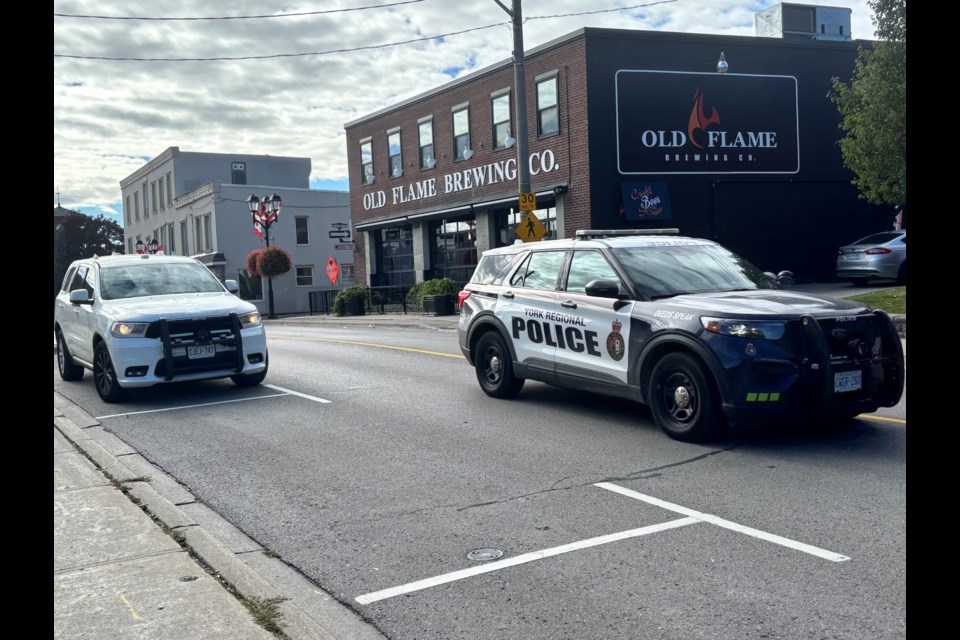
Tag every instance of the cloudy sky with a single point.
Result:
(124, 89)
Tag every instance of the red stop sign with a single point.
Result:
(333, 270)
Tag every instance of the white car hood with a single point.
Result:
(175, 306)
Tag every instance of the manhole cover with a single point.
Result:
(484, 554)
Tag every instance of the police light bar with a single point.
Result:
(606, 233)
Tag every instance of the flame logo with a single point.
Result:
(698, 119)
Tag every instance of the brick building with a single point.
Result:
(627, 129)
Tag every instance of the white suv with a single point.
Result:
(140, 320)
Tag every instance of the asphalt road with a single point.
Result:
(392, 465)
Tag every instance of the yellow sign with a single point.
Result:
(528, 202)
(530, 228)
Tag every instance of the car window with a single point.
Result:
(663, 271)
(587, 266)
(878, 238)
(78, 278)
(492, 266)
(541, 271)
(157, 278)
(89, 282)
(67, 279)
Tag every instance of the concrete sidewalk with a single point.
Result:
(121, 571)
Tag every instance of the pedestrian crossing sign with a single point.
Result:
(530, 228)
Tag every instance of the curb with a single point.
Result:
(309, 612)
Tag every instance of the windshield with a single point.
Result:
(156, 279)
(664, 271)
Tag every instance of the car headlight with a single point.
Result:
(251, 319)
(757, 329)
(129, 329)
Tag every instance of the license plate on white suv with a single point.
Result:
(206, 351)
(847, 381)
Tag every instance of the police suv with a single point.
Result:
(681, 324)
(141, 320)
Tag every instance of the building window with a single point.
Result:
(126, 210)
(548, 111)
(454, 249)
(304, 275)
(197, 235)
(146, 206)
(396, 157)
(207, 235)
(163, 238)
(238, 172)
(303, 232)
(461, 133)
(251, 287)
(130, 245)
(396, 257)
(160, 191)
(427, 159)
(136, 205)
(153, 196)
(346, 275)
(501, 120)
(169, 190)
(508, 219)
(366, 161)
(171, 240)
(184, 241)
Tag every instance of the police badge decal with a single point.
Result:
(615, 346)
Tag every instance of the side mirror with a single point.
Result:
(603, 289)
(232, 286)
(785, 278)
(80, 296)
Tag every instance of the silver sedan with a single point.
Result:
(881, 256)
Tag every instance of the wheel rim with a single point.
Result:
(103, 372)
(60, 360)
(680, 398)
(492, 365)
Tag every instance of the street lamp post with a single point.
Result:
(264, 213)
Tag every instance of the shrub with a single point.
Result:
(353, 291)
(434, 287)
(251, 262)
(273, 262)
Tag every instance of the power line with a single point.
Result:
(259, 17)
(349, 50)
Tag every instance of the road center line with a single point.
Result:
(298, 394)
(497, 565)
(191, 406)
(369, 344)
(726, 524)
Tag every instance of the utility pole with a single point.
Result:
(520, 82)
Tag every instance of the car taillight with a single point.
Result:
(840, 252)
(463, 295)
(877, 250)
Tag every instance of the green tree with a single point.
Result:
(873, 109)
(81, 236)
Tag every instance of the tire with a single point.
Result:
(902, 274)
(859, 282)
(684, 399)
(105, 376)
(69, 370)
(252, 380)
(495, 368)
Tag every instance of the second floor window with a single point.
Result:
(501, 120)
(366, 161)
(303, 232)
(396, 158)
(461, 133)
(548, 111)
(427, 159)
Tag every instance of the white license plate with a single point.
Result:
(854, 256)
(847, 381)
(207, 351)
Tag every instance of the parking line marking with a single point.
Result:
(189, 406)
(497, 565)
(726, 524)
(298, 394)
(883, 418)
(369, 344)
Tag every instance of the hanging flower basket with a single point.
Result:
(273, 262)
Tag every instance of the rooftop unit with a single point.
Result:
(804, 22)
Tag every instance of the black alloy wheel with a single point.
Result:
(69, 370)
(105, 376)
(684, 399)
(495, 368)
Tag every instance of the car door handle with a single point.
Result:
(507, 294)
(569, 304)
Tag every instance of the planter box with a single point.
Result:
(353, 307)
(441, 305)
